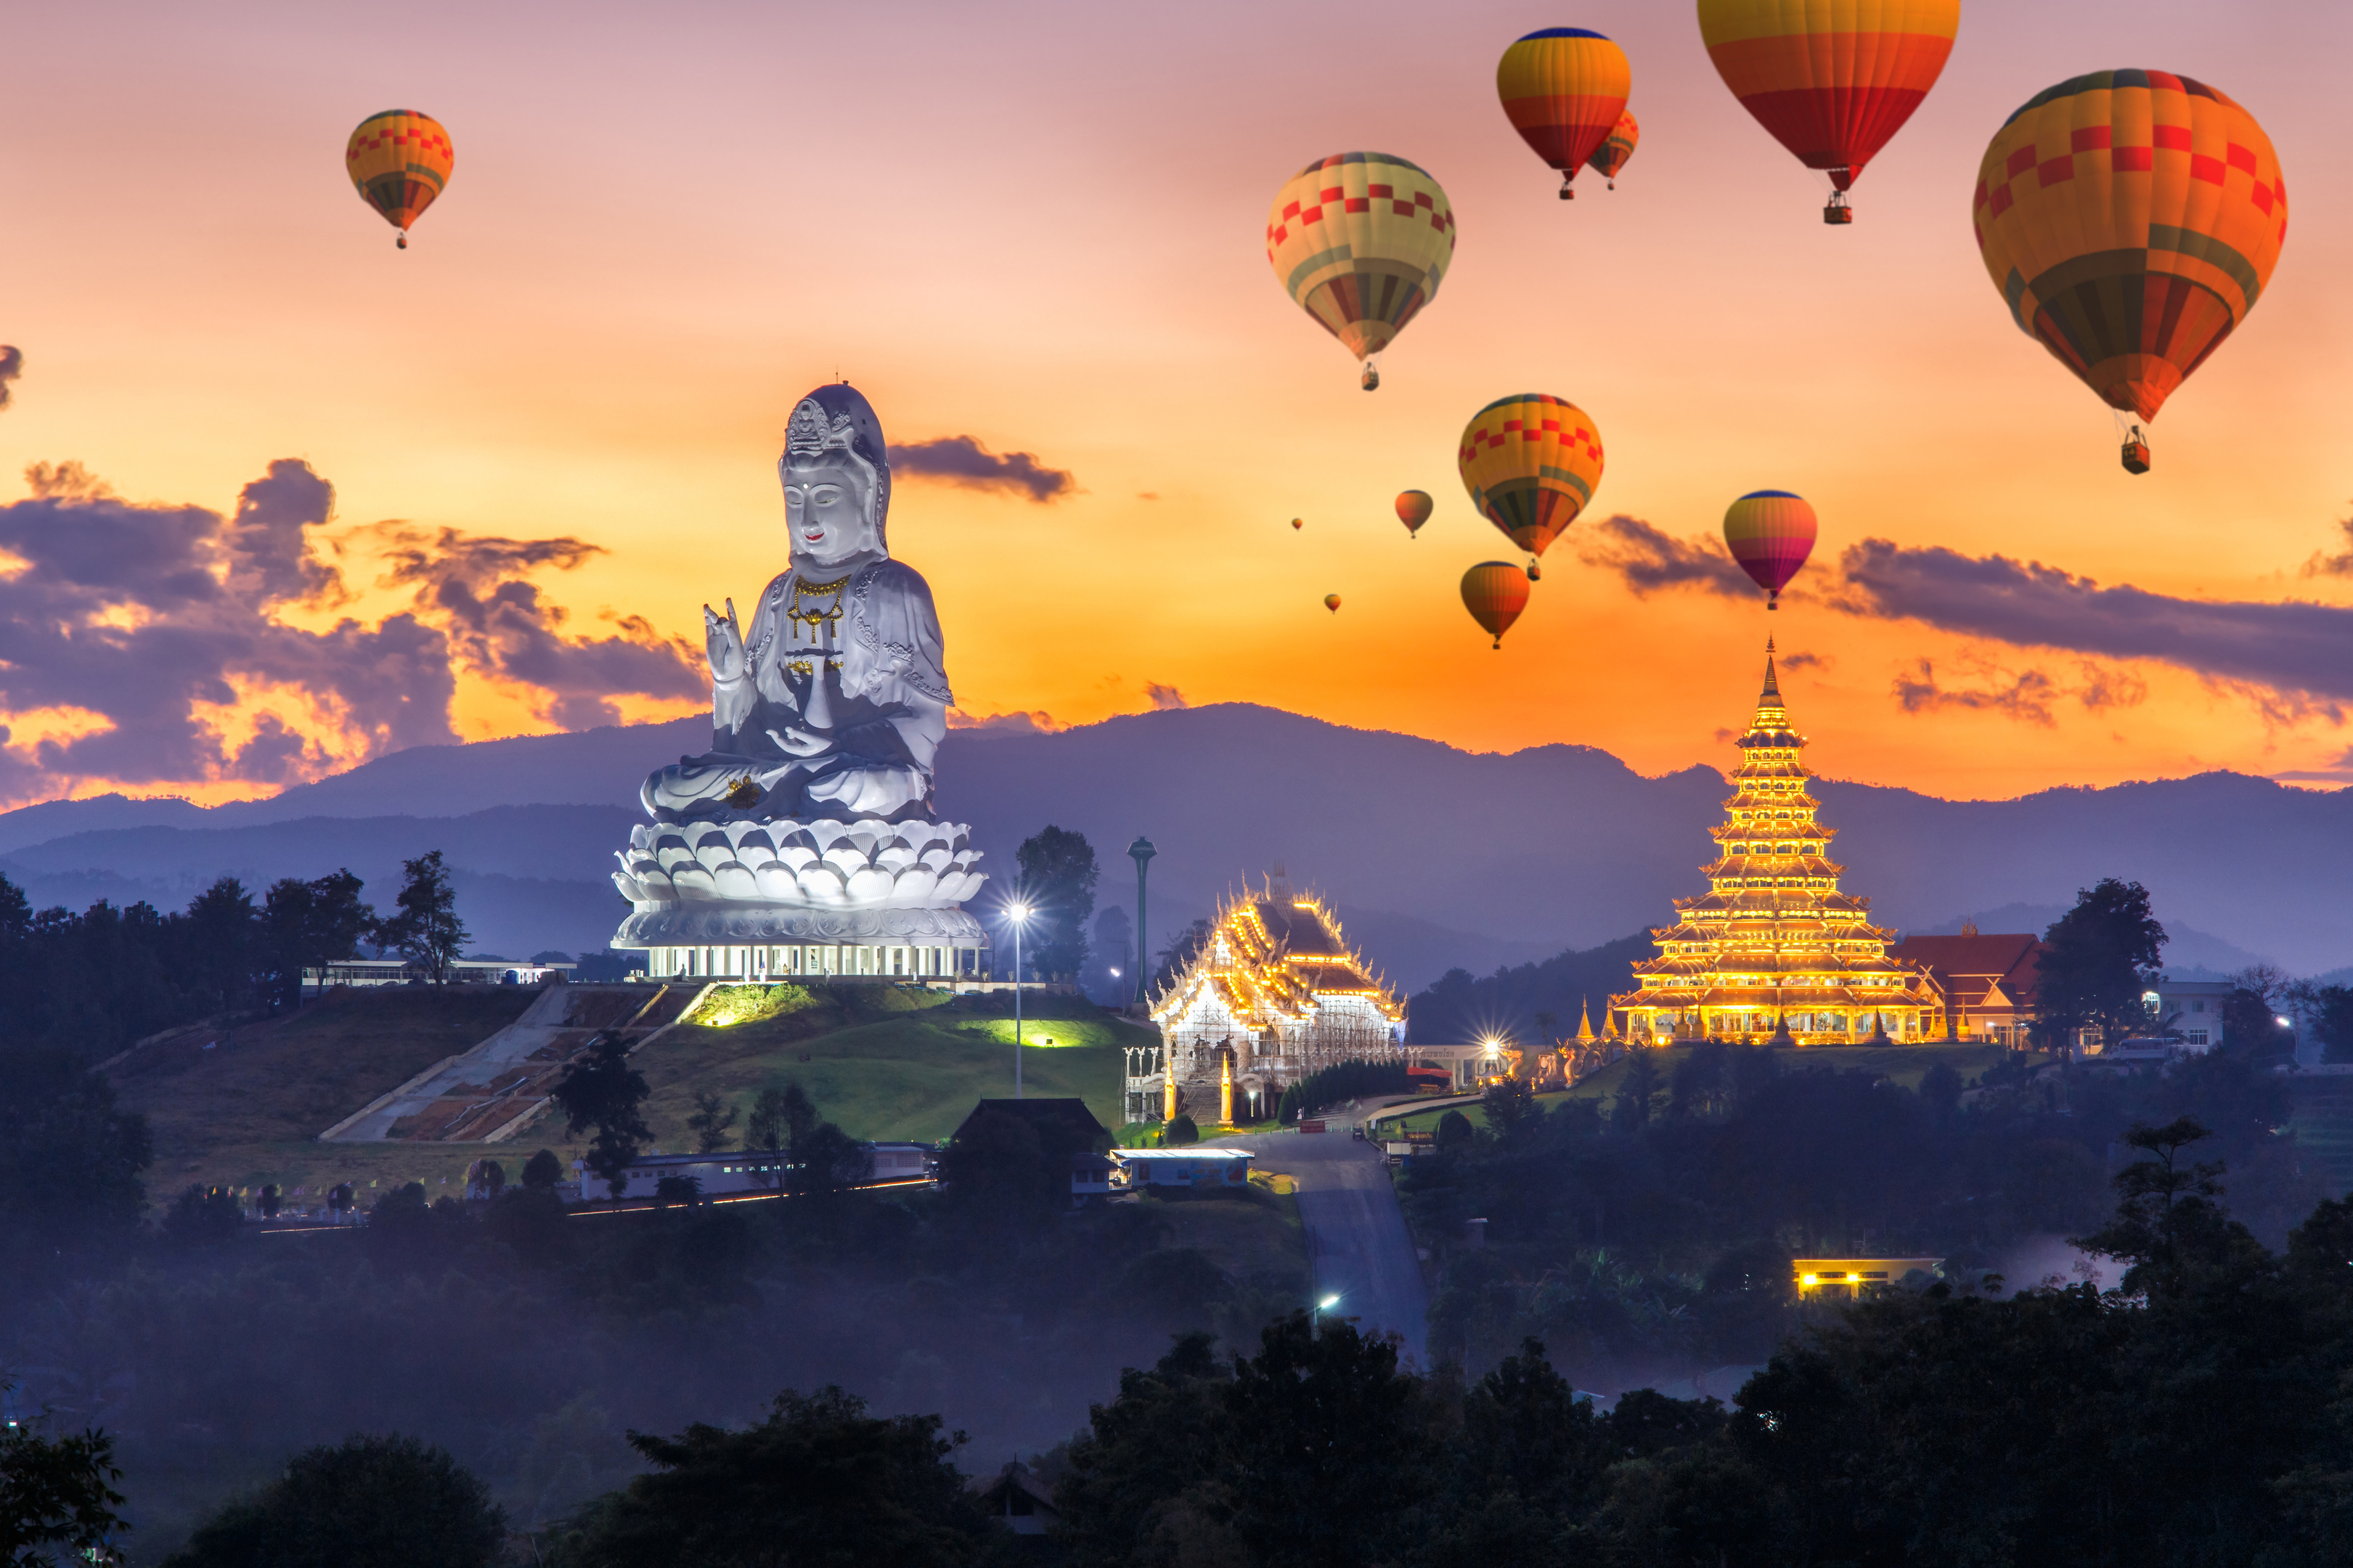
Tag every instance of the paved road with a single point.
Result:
(1356, 1239)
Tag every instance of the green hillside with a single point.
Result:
(885, 1062)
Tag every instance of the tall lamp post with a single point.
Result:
(1141, 852)
(1020, 913)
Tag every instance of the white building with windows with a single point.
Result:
(2190, 1009)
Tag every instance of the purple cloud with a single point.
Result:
(1648, 558)
(12, 365)
(962, 461)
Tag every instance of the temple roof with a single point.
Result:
(1274, 958)
(1969, 967)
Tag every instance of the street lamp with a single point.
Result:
(1326, 1305)
(1020, 913)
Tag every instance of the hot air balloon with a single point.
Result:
(1297, 524)
(1531, 463)
(399, 161)
(1495, 592)
(1332, 603)
(1616, 149)
(1413, 510)
(1770, 534)
(1360, 241)
(1832, 80)
(2131, 219)
(1563, 89)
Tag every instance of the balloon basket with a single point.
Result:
(1838, 212)
(2135, 456)
(402, 243)
(1372, 379)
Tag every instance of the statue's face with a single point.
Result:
(826, 509)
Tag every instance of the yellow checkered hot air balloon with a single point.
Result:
(2131, 219)
(1563, 89)
(1531, 463)
(399, 161)
(1360, 242)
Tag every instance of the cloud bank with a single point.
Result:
(147, 645)
(2286, 656)
(12, 365)
(962, 461)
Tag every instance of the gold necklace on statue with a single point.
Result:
(812, 618)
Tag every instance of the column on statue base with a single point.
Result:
(1225, 1088)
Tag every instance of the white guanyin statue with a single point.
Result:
(809, 820)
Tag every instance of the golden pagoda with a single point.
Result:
(1773, 953)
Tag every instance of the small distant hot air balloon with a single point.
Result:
(399, 161)
(1563, 89)
(1616, 149)
(1332, 603)
(1360, 241)
(1832, 80)
(1296, 523)
(1531, 462)
(1770, 534)
(1413, 510)
(2131, 219)
(1495, 592)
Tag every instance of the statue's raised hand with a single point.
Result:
(725, 639)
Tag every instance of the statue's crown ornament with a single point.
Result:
(838, 418)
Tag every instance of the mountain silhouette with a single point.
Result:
(1436, 857)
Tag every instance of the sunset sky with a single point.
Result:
(1039, 226)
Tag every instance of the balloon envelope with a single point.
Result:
(1563, 89)
(1495, 592)
(1332, 603)
(2131, 219)
(1360, 241)
(1832, 80)
(1298, 522)
(399, 161)
(1531, 462)
(1616, 149)
(1770, 534)
(1413, 510)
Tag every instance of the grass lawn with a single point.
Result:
(251, 1110)
(885, 1064)
(1904, 1065)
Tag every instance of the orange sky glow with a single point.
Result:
(1040, 226)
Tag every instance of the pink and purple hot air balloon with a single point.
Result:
(1770, 534)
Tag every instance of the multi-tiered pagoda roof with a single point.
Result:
(1773, 949)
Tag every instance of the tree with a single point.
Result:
(307, 925)
(367, 1502)
(542, 1171)
(2164, 1206)
(425, 927)
(2330, 1010)
(219, 932)
(2101, 957)
(599, 1089)
(1180, 1132)
(714, 1120)
(1638, 1094)
(1058, 881)
(69, 1161)
(1512, 1108)
(205, 1217)
(1112, 946)
(1455, 1131)
(57, 1492)
(819, 1481)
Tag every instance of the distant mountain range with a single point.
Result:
(1436, 857)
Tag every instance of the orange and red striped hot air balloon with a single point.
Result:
(1770, 534)
(1563, 89)
(1413, 510)
(1832, 80)
(1616, 149)
(399, 161)
(1495, 592)
(2131, 219)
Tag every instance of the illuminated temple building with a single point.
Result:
(1773, 944)
(1273, 994)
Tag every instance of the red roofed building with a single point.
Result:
(1987, 981)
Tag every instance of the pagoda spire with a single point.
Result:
(1584, 1022)
(1771, 696)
